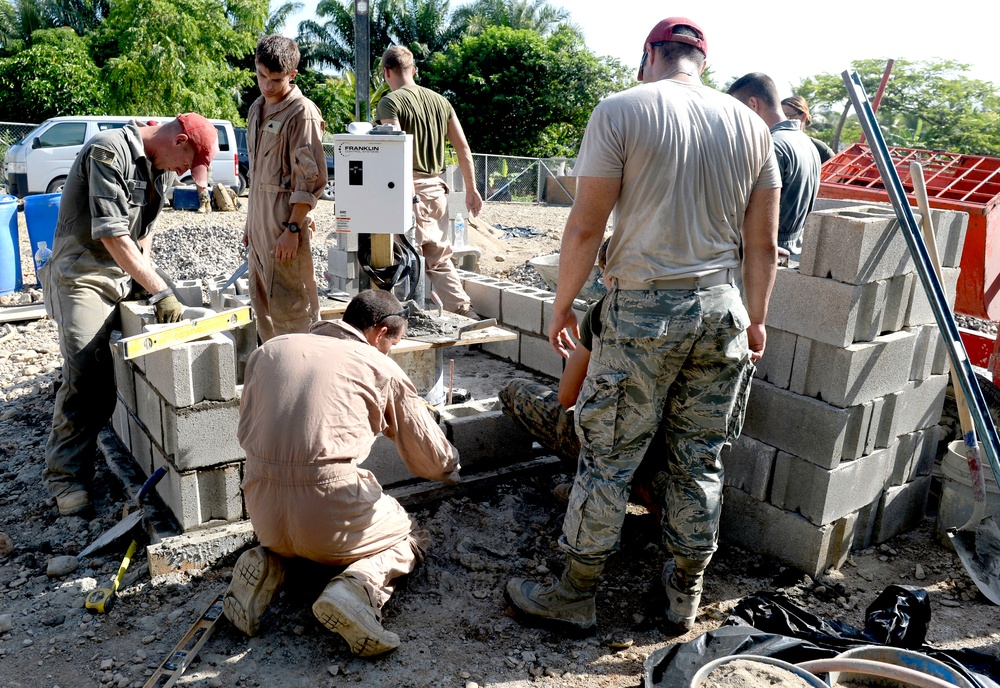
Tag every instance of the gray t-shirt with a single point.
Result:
(688, 157)
(799, 163)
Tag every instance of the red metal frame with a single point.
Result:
(965, 183)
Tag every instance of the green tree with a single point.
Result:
(170, 56)
(532, 15)
(519, 93)
(18, 20)
(55, 76)
(928, 104)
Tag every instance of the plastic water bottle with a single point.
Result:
(461, 233)
(42, 255)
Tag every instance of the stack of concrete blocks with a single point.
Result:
(179, 408)
(524, 310)
(841, 429)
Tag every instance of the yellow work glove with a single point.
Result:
(169, 310)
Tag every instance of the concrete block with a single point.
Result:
(119, 421)
(190, 372)
(423, 367)
(140, 445)
(242, 286)
(345, 241)
(856, 245)
(949, 228)
(826, 310)
(897, 300)
(341, 263)
(901, 508)
(924, 349)
(864, 526)
(538, 355)
(580, 307)
(776, 364)
(149, 408)
(824, 496)
(806, 427)
(485, 295)
(871, 436)
(919, 310)
(855, 374)
(466, 257)
(203, 435)
(913, 455)
(940, 363)
(509, 349)
(244, 338)
(189, 552)
(784, 535)
(199, 498)
(484, 436)
(124, 374)
(521, 308)
(216, 295)
(916, 406)
(135, 317)
(748, 465)
(188, 292)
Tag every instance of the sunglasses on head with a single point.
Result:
(405, 314)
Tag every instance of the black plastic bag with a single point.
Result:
(899, 617)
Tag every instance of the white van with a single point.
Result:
(40, 161)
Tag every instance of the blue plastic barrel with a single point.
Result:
(40, 214)
(10, 249)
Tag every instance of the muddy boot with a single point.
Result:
(204, 201)
(569, 603)
(683, 580)
(345, 609)
(561, 494)
(256, 578)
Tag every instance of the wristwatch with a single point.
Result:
(292, 227)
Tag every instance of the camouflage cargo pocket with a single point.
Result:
(599, 410)
(740, 403)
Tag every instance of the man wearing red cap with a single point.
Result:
(112, 197)
(287, 175)
(692, 178)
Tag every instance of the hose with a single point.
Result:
(866, 666)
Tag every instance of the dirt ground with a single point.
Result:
(450, 614)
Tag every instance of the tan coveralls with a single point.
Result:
(287, 166)
(312, 406)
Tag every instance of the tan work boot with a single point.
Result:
(683, 585)
(561, 493)
(344, 608)
(256, 578)
(569, 603)
(73, 501)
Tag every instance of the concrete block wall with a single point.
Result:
(841, 430)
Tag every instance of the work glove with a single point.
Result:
(169, 310)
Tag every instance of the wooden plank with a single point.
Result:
(490, 334)
(19, 313)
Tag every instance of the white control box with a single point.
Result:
(374, 176)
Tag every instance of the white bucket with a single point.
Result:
(702, 674)
(956, 491)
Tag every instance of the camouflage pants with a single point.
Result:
(537, 408)
(672, 358)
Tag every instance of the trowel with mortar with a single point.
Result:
(440, 327)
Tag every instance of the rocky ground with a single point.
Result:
(450, 614)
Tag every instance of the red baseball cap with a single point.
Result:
(205, 140)
(664, 32)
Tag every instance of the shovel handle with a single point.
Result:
(150, 483)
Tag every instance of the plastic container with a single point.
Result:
(699, 678)
(42, 255)
(185, 198)
(10, 249)
(957, 500)
(461, 234)
(40, 214)
(899, 657)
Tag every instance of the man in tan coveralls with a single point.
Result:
(312, 406)
(287, 175)
(431, 119)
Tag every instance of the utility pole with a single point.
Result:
(362, 76)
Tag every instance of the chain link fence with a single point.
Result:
(513, 179)
(11, 133)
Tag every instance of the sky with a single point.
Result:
(790, 41)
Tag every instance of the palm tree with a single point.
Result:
(280, 15)
(79, 15)
(533, 15)
(18, 20)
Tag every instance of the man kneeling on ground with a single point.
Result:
(312, 406)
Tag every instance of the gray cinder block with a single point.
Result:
(135, 317)
(216, 292)
(484, 292)
(916, 406)
(521, 308)
(826, 495)
(341, 263)
(149, 408)
(950, 228)
(826, 310)
(119, 421)
(775, 366)
(897, 301)
(855, 374)
(199, 498)
(930, 357)
(190, 372)
(124, 374)
(748, 465)
(919, 311)
(509, 349)
(243, 338)
(140, 445)
(901, 508)
(537, 354)
(914, 454)
(786, 536)
(484, 436)
(856, 245)
(806, 427)
(188, 292)
(203, 435)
